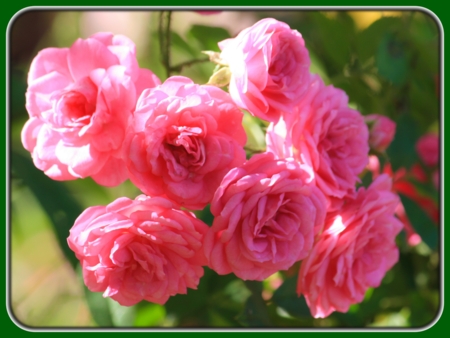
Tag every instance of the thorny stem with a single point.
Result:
(179, 67)
(165, 39)
(161, 37)
(164, 34)
(168, 40)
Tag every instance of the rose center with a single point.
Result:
(74, 105)
(186, 146)
(273, 212)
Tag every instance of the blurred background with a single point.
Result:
(387, 62)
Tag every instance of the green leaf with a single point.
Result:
(358, 92)
(219, 318)
(423, 39)
(392, 60)
(367, 179)
(421, 222)
(151, 57)
(317, 67)
(98, 306)
(237, 291)
(423, 98)
(205, 215)
(286, 298)
(121, 315)
(256, 139)
(182, 52)
(255, 312)
(179, 43)
(55, 199)
(418, 303)
(401, 152)
(336, 35)
(348, 319)
(214, 293)
(208, 36)
(193, 302)
(149, 314)
(368, 40)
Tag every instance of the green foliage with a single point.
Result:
(57, 202)
(149, 314)
(256, 139)
(369, 40)
(98, 306)
(338, 48)
(421, 222)
(205, 215)
(391, 60)
(286, 298)
(401, 152)
(179, 44)
(255, 312)
(121, 315)
(218, 296)
(208, 36)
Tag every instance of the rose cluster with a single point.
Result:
(93, 112)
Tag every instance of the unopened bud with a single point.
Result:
(381, 131)
(220, 78)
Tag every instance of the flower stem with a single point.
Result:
(165, 19)
(179, 67)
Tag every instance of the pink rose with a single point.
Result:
(142, 249)
(270, 68)
(428, 149)
(266, 218)
(381, 131)
(324, 133)
(182, 141)
(79, 100)
(354, 251)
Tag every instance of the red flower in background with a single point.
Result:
(428, 149)
(402, 184)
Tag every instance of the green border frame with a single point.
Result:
(12, 8)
